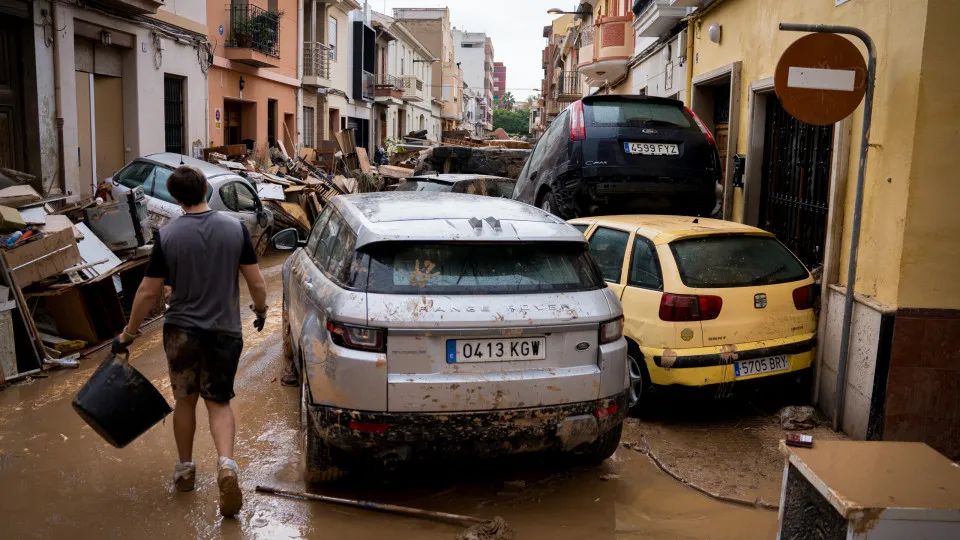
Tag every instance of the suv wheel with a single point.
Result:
(602, 448)
(549, 204)
(319, 467)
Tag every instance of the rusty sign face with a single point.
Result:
(821, 78)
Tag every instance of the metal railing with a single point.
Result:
(252, 27)
(316, 60)
(568, 85)
(367, 87)
(391, 81)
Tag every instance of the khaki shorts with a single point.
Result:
(201, 362)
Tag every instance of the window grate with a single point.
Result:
(173, 114)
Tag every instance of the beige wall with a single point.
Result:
(931, 231)
(750, 35)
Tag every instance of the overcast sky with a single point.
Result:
(515, 26)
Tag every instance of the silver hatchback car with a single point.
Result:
(441, 323)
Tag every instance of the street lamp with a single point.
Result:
(558, 11)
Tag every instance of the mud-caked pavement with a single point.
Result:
(59, 479)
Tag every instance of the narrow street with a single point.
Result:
(60, 480)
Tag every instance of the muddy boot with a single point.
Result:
(289, 376)
(184, 476)
(231, 498)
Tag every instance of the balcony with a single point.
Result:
(567, 88)
(316, 64)
(605, 59)
(140, 7)
(412, 89)
(586, 45)
(656, 17)
(388, 89)
(254, 36)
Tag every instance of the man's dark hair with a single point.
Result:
(187, 185)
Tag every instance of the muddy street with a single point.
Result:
(61, 480)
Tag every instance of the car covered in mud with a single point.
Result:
(439, 323)
(227, 192)
(707, 303)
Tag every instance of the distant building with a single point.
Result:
(474, 54)
(499, 82)
(431, 26)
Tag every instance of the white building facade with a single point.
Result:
(108, 82)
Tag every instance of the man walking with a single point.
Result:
(200, 255)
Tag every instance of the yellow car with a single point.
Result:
(706, 302)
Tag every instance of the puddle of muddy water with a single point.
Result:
(58, 479)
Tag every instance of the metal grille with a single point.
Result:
(308, 123)
(568, 85)
(173, 113)
(316, 60)
(796, 182)
(253, 27)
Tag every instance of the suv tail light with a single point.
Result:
(688, 307)
(578, 129)
(611, 331)
(702, 126)
(357, 337)
(803, 297)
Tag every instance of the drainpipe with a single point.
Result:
(689, 61)
(57, 94)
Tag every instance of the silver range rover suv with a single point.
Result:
(449, 323)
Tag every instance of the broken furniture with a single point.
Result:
(869, 490)
(122, 224)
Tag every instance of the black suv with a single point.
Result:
(623, 154)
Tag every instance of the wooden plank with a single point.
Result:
(394, 171)
(364, 161)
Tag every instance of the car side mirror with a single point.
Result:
(262, 217)
(287, 240)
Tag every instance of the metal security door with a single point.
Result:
(796, 182)
(173, 113)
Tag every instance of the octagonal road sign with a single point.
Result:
(821, 78)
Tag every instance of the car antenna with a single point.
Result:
(181, 159)
(696, 220)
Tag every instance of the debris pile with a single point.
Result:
(68, 273)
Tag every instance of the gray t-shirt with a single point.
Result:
(199, 256)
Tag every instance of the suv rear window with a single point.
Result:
(636, 114)
(735, 261)
(437, 268)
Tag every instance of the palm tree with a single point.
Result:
(508, 102)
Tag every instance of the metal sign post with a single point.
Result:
(829, 83)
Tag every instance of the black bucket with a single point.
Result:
(119, 403)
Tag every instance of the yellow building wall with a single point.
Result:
(931, 238)
(750, 34)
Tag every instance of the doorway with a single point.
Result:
(289, 128)
(234, 123)
(11, 98)
(334, 122)
(716, 100)
(795, 185)
(272, 122)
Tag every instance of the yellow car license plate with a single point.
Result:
(757, 366)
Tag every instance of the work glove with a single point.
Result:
(261, 317)
(121, 343)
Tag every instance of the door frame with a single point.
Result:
(732, 71)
